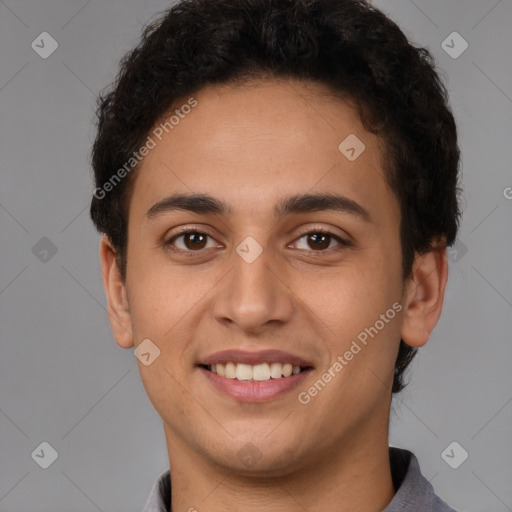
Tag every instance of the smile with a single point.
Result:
(255, 373)
(254, 376)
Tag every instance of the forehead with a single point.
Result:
(248, 143)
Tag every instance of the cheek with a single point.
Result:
(159, 309)
(166, 306)
(356, 290)
(361, 304)
(159, 293)
(153, 308)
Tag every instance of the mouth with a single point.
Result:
(255, 373)
(254, 376)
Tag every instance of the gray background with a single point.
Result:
(62, 378)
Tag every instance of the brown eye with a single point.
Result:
(319, 241)
(192, 241)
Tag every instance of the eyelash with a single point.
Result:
(343, 243)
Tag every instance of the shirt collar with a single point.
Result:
(413, 491)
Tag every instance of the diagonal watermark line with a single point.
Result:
(92, 297)
(292, 497)
(15, 75)
(319, 318)
(14, 485)
(485, 15)
(78, 78)
(332, 127)
(83, 288)
(75, 15)
(490, 213)
(492, 81)
(319, 180)
(13, 279)
(424, 14)
(279, 424)
(170, 170)
(101, 510)
(417, 417)
(198, 301)
(398, 398)
(73, 219)
(508, 508)
(386, 386)
(490, 284)
(104, 395)
(310, 105)
(14, 423)
(432, 478)
(13, 13)
(309, 189)
(197, 402)
(215, 488)
(501, 408)
(186, 185)
(311, 311)
(14, 218)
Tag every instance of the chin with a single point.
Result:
(257, 457)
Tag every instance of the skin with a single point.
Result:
(249, 146)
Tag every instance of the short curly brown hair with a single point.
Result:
(349, 45)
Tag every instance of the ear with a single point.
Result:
(118, 307)
(424, 295)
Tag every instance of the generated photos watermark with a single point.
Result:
(341, 361)
(151, 143)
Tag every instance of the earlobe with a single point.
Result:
(424, 296)
(117, 299)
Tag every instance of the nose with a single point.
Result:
(254, 295)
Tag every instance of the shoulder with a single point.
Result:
(413, 491)
(159, 499)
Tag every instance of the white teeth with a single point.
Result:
(221, 369)
(243, 371)
(230, 370)
(287, 369)
(259, 372)
(275, 370)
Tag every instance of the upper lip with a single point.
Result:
(254, 358)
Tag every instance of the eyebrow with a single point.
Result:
(300, 203)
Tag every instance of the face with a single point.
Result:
(265, 273)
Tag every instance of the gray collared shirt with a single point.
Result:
(414, 492)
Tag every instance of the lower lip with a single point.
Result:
(248, 391)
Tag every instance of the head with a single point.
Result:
(263, 97)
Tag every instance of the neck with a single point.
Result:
(356, 476)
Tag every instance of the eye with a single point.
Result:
(319, 240)
(193, 241)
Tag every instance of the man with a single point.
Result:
(276, 182)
